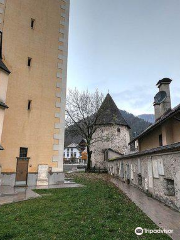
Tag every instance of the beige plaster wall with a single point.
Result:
(176, 130)
(170, 131)
(151, 140)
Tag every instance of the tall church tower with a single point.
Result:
(113, 134)
(34, 47)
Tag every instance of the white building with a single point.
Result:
(72, 152)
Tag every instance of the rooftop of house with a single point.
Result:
(3, 67)
(72, 145)
(110, 114)
(112, 150)
(169, 114)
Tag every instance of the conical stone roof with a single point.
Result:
(110, 114)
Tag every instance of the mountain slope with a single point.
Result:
(137, 124)
(147, 117)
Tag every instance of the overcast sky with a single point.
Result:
(125, 46)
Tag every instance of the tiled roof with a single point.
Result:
(3, 67)
(110, 114)
(3, 105)
(72, 145)
(112, 150)
(162, 119)
(163, 149)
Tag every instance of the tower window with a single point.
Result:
(118, 130)
(32, 23)
(29, 61)
(29, 104)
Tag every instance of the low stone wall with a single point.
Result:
(72, 167)
(157, 174)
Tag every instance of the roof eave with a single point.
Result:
(3, 67)
(163, 149)
(119, 124)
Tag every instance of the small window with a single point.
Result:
(170, 190)
(75, 154)
(29, 61)
(29, 104)
(32, 23)
(139, 179)
(118, 130)
(122, 170)
(67, 154)
(160, 140)
(117, 170)
(106, 155)
(23, 152)
(68, 149)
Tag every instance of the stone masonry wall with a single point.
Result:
(156, 174)
(117, 140)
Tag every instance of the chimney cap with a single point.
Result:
(164, 81)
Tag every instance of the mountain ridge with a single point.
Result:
(147, 117)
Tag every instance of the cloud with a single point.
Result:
(137, 100)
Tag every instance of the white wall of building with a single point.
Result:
(70, 152)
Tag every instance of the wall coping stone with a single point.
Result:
(163, 149)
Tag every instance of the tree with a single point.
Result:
(83, 117)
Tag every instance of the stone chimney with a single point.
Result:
(157, 111)
(163, 107)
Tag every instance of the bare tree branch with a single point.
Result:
(83, 116)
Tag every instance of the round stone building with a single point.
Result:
(112, 135)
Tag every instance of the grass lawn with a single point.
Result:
(98, 211)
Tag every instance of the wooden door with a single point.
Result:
(22, 170)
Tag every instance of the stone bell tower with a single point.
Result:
(114, 132)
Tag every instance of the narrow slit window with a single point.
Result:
(160, 140)
(29, 61)
(169, 187)
(29, 104)
(32, 23)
